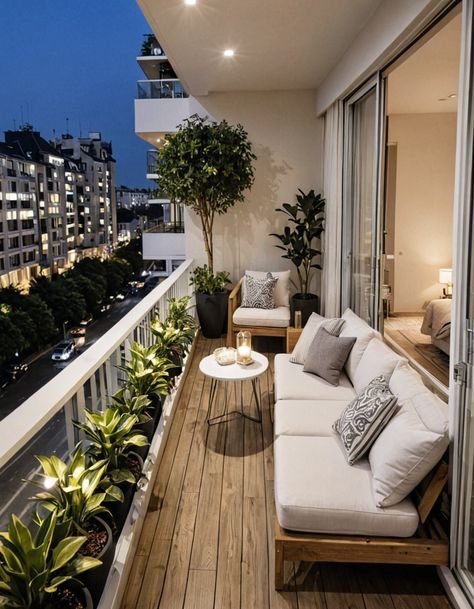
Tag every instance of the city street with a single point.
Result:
(52, 438)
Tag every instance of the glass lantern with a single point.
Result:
(244, 348)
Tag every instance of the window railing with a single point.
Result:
(161, 89)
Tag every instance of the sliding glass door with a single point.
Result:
(360, 270)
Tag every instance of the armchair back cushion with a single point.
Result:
(281, 293)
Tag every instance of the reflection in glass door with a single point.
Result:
(360, 271)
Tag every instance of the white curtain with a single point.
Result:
(332, 190)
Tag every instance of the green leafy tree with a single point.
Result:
(92, 291)
(208, 167)
(132, 253)
(68, 305)
(12, 339)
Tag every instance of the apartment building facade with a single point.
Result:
(55, 208)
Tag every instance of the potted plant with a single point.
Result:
(179, 317)
(300, 240)
(111, 436)
(212, 298)
(40, 571)
(72, 490)
(206, 166)
(126, 402)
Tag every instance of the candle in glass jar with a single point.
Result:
(244, 352)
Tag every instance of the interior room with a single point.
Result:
(419, 193)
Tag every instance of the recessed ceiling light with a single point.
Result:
(158, 139)
(452, 96)
(190, 2)
(229, 53)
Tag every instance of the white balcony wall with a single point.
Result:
(163, 246)
(286, 137)
(163, 115)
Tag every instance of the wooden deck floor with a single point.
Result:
(207, 542)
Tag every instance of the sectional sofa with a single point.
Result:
(379, 509)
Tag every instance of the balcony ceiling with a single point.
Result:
(278, 44)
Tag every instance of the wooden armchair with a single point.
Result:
(235, 299)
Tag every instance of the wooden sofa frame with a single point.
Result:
(430, 546)
(235, 299)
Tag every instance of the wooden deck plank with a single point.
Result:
(208, 541)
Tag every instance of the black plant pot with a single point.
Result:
(119, 509)
(81, 593)
(306, 303)
(212, 313)
(147, 429)
(157, 404)
(94, 580)
(178, 366)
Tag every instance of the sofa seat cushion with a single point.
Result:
(291, 383)
(316, 491)
(307, 417)
(279, 317)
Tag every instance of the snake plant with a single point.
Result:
(110, 435)
(33, 568)
(73, 489)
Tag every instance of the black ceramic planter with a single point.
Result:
(156, 402)
(147, 429)
(119, 509)
(94, 580)
(306, 303)
(82, 594)
(212, 313)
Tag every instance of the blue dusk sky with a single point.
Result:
(75, 59)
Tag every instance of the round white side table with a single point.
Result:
(235, 374)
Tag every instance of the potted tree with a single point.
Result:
(41, 570)
(207, 166)
(301, 241)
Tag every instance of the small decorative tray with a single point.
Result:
(225, 355)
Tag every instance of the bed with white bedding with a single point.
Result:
(437, 323)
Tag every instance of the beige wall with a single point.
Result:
(287, 138)
(424, 205)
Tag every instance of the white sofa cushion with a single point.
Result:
(306, 417)
(409, 447)
(405, 382)
(281, 293)
(355, 326)
(377, 359)
(279, 317)
(317, 491)
(291, 383)
(315, 321)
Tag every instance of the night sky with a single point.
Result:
(75, 59)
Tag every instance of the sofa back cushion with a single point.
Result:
(315, 321)
(377, 359)
(281, 293)
(405, 382)
(409, 447)
(355, 326)
(327, 355)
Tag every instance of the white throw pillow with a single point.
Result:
(282, 288)
(406, 382)
(355, 326)
(315, 321)
(378, 359)
(408, 448)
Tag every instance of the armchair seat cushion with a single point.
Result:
(279, 317)
(316, 491)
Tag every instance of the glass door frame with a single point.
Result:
(376, 83)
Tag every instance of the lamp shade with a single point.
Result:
(446, 276)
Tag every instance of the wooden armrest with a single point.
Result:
(235, 294)
(234, 301)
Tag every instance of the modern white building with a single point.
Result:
(129, 198)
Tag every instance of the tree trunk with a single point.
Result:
(206, 223)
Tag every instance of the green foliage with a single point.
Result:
(117, 273)
(126, 402)
(12, 338)
(92, 291)
(132, 253)
(178, 314)
(111, 434)
(146, 371)
(208, 167)
(66, 303)
(72, 489)
(32, 568)
(306, 219)
(205, 281)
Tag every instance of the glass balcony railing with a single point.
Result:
(161, 89)
(152, 161)
(165, 227)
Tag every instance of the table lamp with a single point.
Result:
(446, 278)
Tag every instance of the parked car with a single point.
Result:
(63, 351)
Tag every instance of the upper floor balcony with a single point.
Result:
(169, 88)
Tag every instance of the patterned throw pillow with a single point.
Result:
(259, 293)
(364, 418)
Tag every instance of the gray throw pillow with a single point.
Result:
(365, 417)
(315, 321)
(259, 293)
(327, 355)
